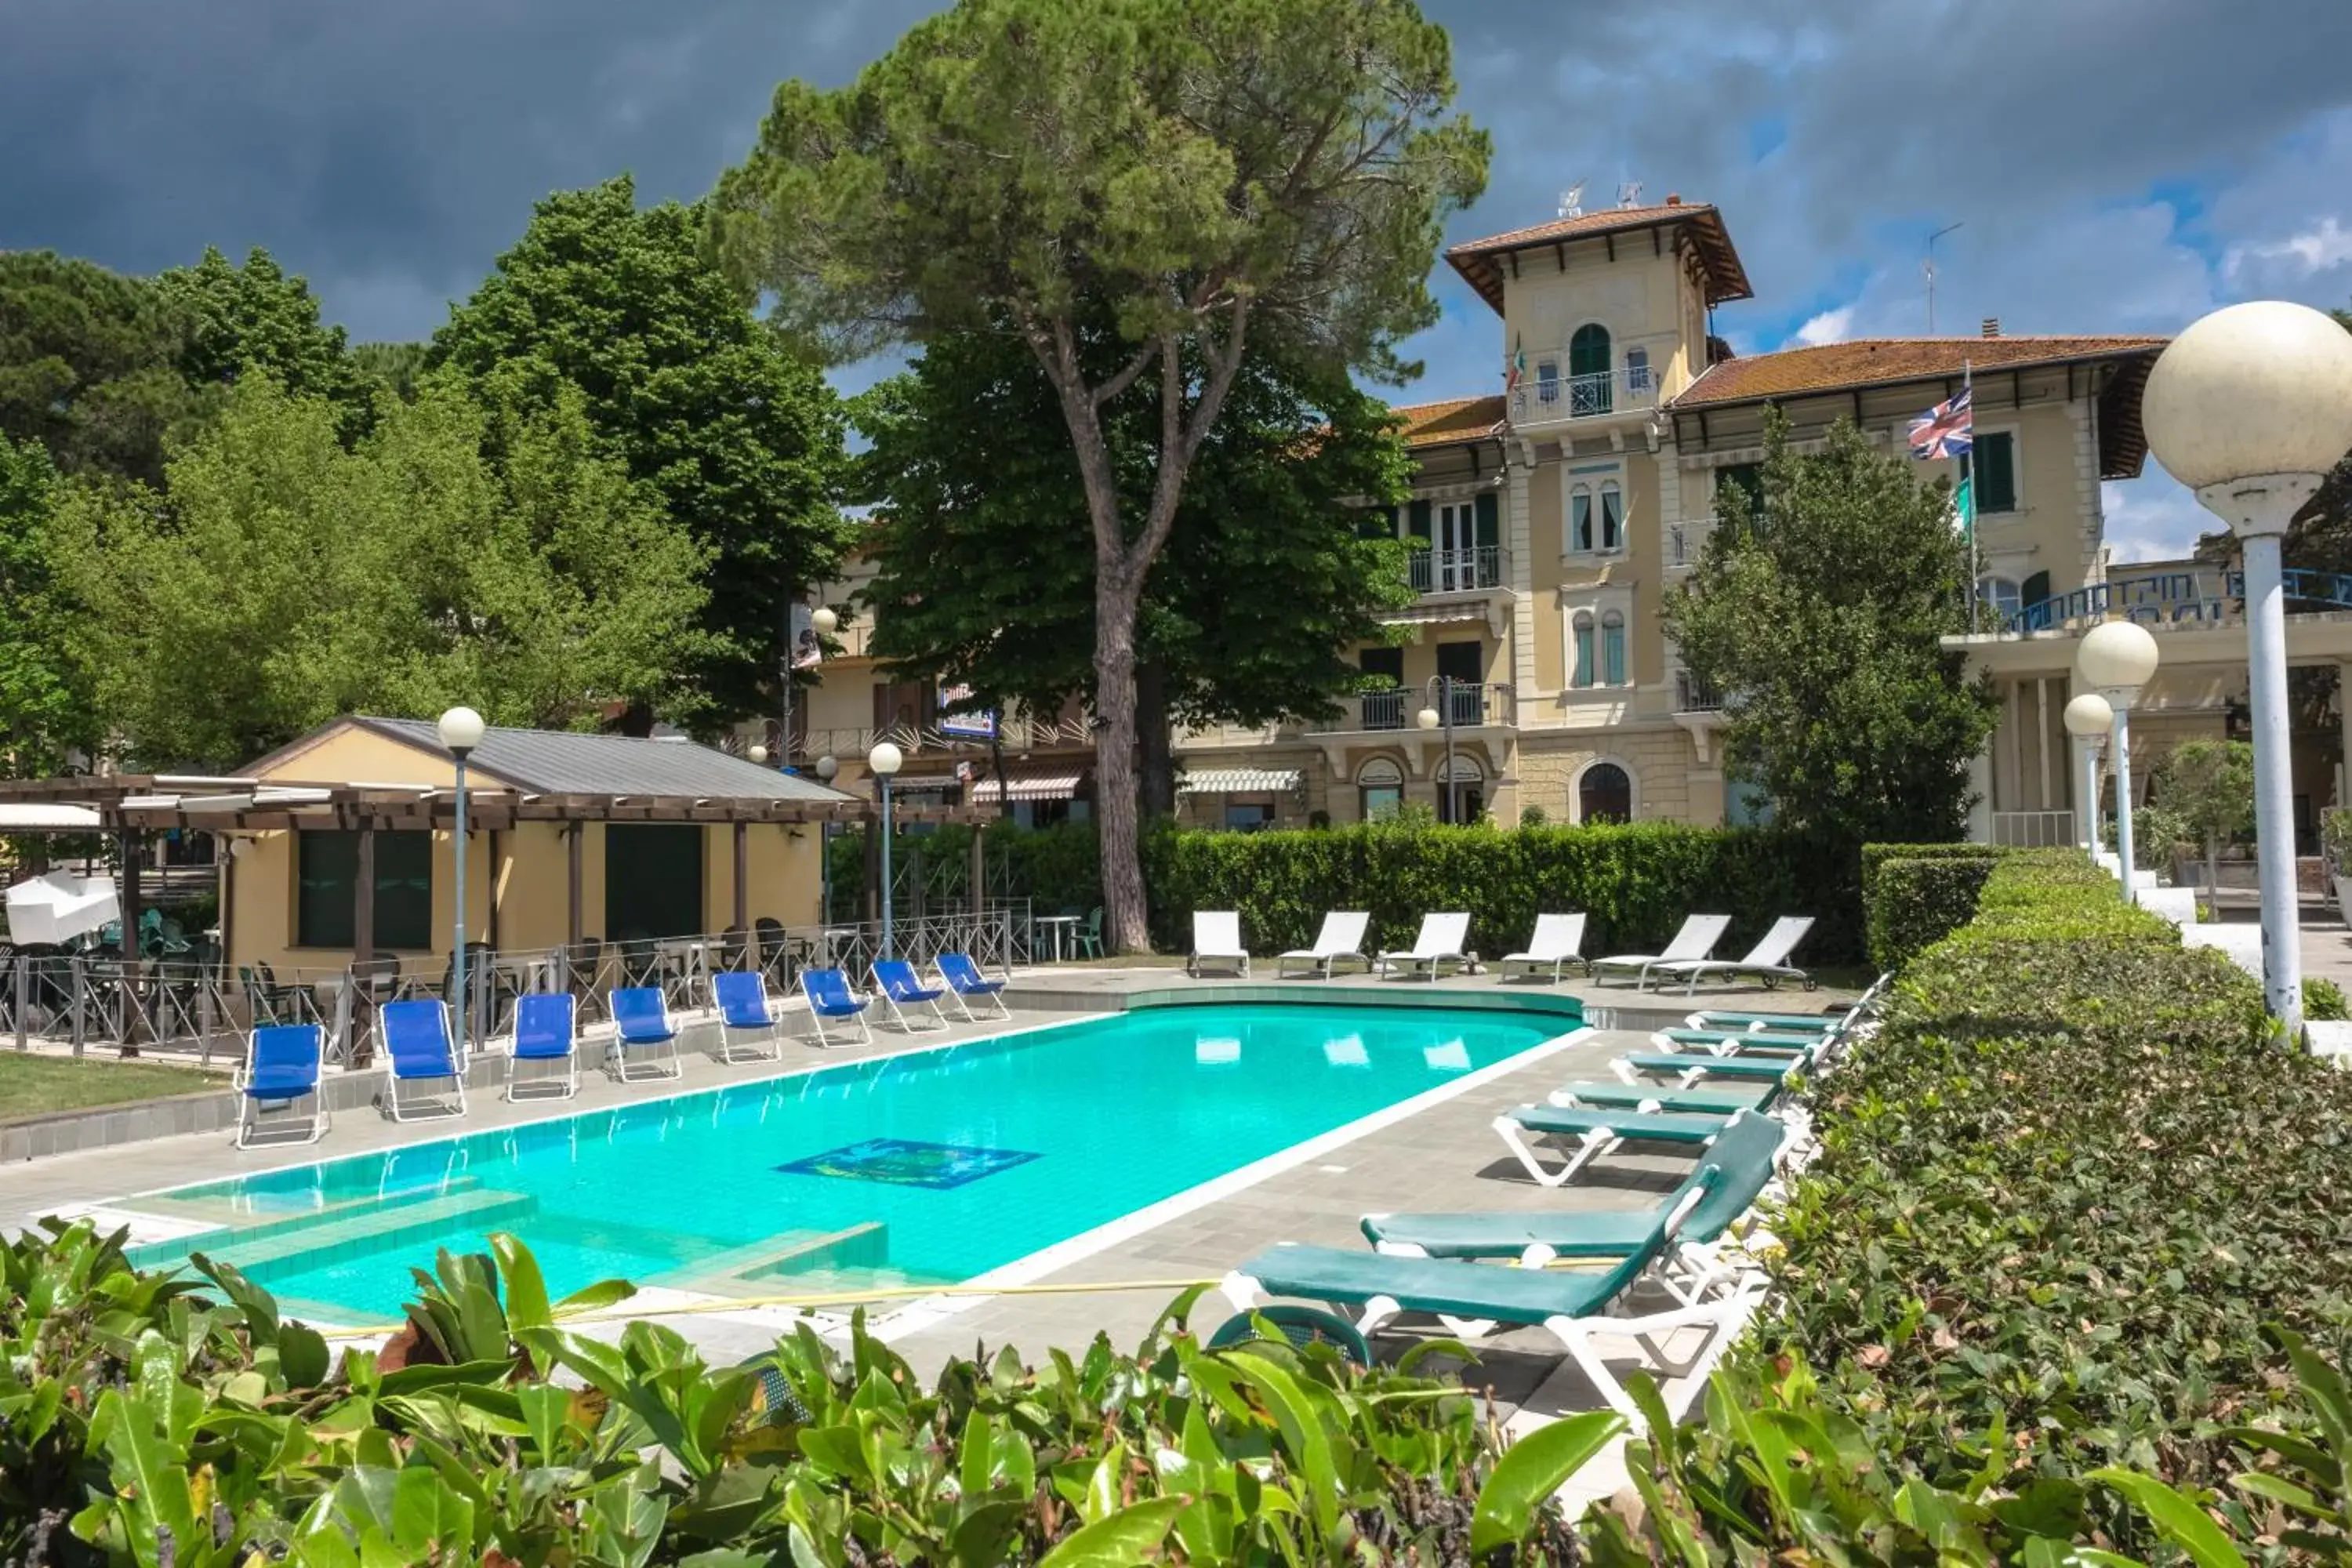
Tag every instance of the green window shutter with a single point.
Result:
(1993, 465)
(1417, 521)
(1490, 520)
(2036, 589)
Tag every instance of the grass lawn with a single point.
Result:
(33, 1086)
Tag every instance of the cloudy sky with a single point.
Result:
(2115, 166)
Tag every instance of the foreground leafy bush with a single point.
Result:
(2059, 1196)
(158, 1421)
(1910, 903)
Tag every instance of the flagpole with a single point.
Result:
(1968, 471)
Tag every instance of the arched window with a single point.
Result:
(1588, 367)
(1583, 673)
(1604, 795)
(1381, 785)
(1612, 516)
(1579, 519)
(1637, 370)
(1461, 789)
(1612, 648)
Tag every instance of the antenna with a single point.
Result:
(1931, 270)
(1629, 193)
(1572, 200)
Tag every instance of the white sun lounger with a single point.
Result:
(1443, 938)
(1767, 960)
(1558, 942)
(1217, 939)
(1696, 940)
(1342, 936)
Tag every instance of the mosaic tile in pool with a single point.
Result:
(700, 1193)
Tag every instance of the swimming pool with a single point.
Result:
(924, 1168)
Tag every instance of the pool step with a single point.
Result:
(383, 1229)
(234, 1227)
(771, 1265)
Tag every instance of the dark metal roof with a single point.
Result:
(562, 761)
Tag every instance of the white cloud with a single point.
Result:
(2153, 518)
(1828, 326)
(2321, 249)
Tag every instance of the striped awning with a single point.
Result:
(1238, 781)
(1024, 786)
(1431, 615)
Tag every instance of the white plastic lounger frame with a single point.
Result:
(415, 1038)
(750, 1023)
(1650, 1331)
(1217, 939)
(1767, 960)
(902, 990)
(1443, 938)
(1342, 936)
(1559, 942)
(830, 995)
(960, 974)
(1596, 1144)
(1696, 940)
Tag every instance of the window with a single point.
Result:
(652, 880)
(1381, 785)
(1746, 804)
(1579, 519)
(1248, 816)
(327, 874)
(1612, 648)
(1999, 595)
(1637, 370)
(1992, 468)
(1461, 791)
(1746, 478)
(1585, 669)
(1604, 794)
(1548, 381)
(1588, 365)
(1612, 516)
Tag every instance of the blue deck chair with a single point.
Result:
(744, 1009)
(829, 996)
(545, 1031)
(641, 1022)
(416, 1040)
(281, 1071)
(966, 985)
(901, 989)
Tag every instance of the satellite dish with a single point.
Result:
(1628, 193)
(1572, 200)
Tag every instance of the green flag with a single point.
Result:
(1964, 506)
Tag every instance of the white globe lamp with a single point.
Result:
(824, 621)
(2088, 720)
(2250, 408)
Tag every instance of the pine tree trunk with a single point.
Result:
(1155, 742)
(1115, 816)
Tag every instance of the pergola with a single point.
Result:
(131, 806)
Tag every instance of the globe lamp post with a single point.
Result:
(884, 761)
(2116, 658)
(2088, 720)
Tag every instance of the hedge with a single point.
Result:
(1909, 905)
(2059, 1196)
(1635, 883)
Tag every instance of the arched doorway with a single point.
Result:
(1588, 367)
(1604, 794)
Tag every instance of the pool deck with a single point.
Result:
(1443, 1155)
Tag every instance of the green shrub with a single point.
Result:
(2058, 1194)
(1909, 904)
(2323, 1001)
(2158, 834)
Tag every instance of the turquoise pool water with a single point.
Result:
(921, 1169)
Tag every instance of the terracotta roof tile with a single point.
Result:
(1475, 260)
(1452, 420)
(1870, 361)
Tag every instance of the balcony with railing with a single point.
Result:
(1473, 704)
(1015, 735)
(1548, 399)
(1686, 541)
(1471, 571)
(1693, 695)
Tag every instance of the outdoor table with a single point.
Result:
(1058, 924)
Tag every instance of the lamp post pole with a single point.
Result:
(2251, 408)
(826, 769)
(2117, 659)
(884, 761)
(2088, 720)
(461, 731)
(1452, 786)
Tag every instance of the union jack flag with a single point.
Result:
(1946, 430)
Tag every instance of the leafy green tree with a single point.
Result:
(395, 368)
(90, 365)
(743, 438)
(2210, 784)
(285, 579)
(1223, 177)
(987, 572)
(44, 708)
(2321, 536)
(1817, 612)
(256, 317)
